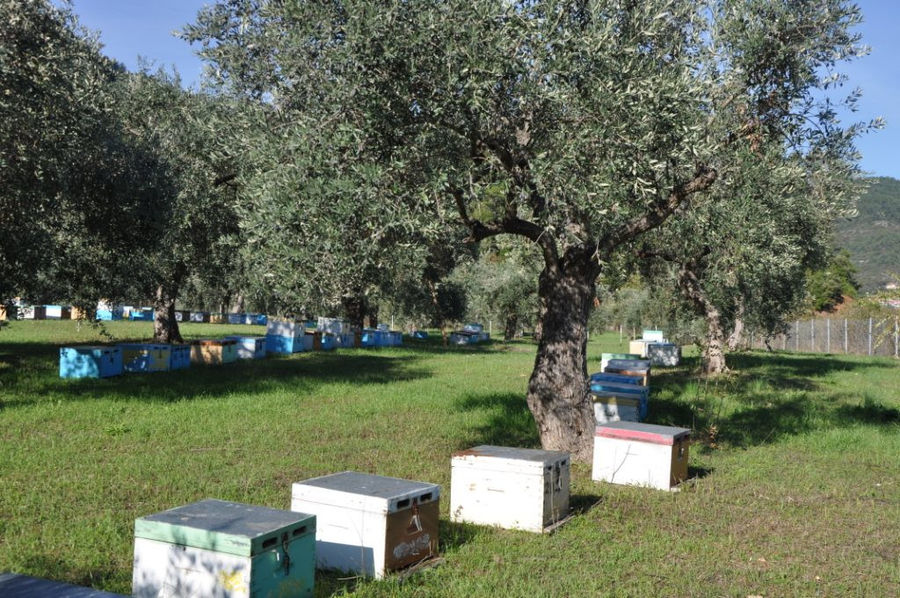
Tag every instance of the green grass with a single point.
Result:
(796, 465)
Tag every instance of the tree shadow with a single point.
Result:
(509, 422)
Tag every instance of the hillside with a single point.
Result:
(873, 237)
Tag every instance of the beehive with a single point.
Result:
(90, 361)
(225, 549)
(513, 488)
(284, 337)
(368, 524)
(606, 357)
(250, 347)
(145, 357)
(629, 367)
(640, 454)
(625, 391)
(180, 357)
(619, 378)
(656, 336)
(664, 354)
(199, 317)
(609, 408)
(213, 351)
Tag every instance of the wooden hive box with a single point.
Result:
(224, 549)
(664, 354)
(146, 357)
(512, 488)
(250, 347)
(610, 408)
(369, 524)
(180, 357)
(213, 351)
(639, 454)
(606, 357)
(90, 361)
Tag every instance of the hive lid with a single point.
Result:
(629, 364)
(366, 492)
(642, 432)
(619, 387)
(90, 348)
(621, 378)
(233, 528)
(511, 459)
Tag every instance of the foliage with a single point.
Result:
(827, 287)
(73, 203)
(872, 237)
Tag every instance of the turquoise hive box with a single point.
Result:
(90, 361)
(227, 549)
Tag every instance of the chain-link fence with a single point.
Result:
(880, 337)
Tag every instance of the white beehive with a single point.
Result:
(664, 354)
(639, 454)
(513, 488)
(369, 524)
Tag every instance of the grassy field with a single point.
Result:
(796, 463)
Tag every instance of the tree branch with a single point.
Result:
(662, 209)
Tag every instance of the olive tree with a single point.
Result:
(578, 126)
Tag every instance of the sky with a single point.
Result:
(132, 28)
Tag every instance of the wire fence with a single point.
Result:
(877, 337)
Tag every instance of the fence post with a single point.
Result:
(784, 341)
(896, 338)
(870, 336)
(812, 335)
(846, 343)
(797, 336)
(828, 335)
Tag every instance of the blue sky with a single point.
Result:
(132, 28)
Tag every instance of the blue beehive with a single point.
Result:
(144, 314)
(260, 319)
(145, 357)
(420, 335)
(180, 357)
(368, 338)
(329, 342)
(250, 347)
(235, 318)
(92, 361)
(620, 378)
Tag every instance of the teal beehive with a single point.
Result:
(219, 548)
(90, 361)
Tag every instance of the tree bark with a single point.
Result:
(558, 389)
(165, 326)
(712, 359)
(512, 323)
(736, 338)
(355, 307)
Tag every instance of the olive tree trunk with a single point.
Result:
(512, 323)
(558, 389)
(165, 326)
(712, 358)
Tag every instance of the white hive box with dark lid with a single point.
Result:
(639, 454)
(664, 354)
(512, 488)
(370, 524)
(224, 549)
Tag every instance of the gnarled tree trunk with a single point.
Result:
(713, 354)
(736, 338)
(512, 323)
(165, 326)
(355, 307)
(558, 389)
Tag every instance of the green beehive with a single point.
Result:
(218, 548)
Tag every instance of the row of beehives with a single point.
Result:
(101, 361)
(371, 525)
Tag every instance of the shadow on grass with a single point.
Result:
(298, 373)
(767, 397)
(508, 420)
(434, 345)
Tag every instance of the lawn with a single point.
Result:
(796, 465)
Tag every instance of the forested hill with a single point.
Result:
(873, 238)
